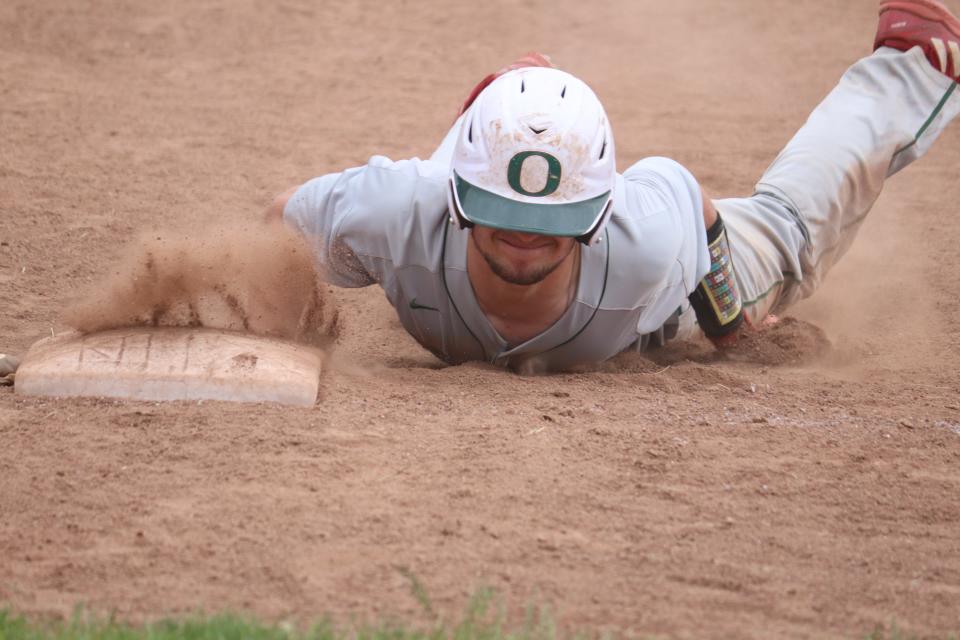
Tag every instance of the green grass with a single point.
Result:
(480, 621)
(895, 633)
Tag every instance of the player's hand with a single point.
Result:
(748, 327)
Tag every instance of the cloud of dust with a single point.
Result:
(878, 300)
(259, 278)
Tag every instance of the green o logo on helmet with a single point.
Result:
(554, 170)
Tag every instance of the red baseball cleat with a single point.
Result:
(927, 24)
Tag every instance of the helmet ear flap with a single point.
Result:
(594, 236)
(455, 211)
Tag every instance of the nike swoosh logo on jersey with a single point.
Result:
(415, 305)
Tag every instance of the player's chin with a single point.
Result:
(525, 275)
(522, 258)
(523, 271)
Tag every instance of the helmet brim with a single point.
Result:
(488, 209)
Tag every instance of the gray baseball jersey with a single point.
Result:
(387, 223)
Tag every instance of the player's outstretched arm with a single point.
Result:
(340, 267)
(709, 211)
(274, 212)
(716, 300)
(359, 219)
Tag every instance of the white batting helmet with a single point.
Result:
(535, 154)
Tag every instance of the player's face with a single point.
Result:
(521, 258)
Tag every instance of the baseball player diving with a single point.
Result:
(518, 243)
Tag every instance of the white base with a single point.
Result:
(148, 363)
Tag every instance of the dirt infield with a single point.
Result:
(760, 497)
